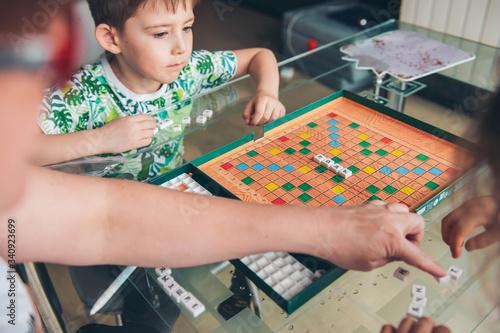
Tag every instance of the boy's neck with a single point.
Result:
(131, 79)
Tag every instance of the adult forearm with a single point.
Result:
(80, 220)
(181, 229)
(87, 221)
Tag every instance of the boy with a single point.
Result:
(148, 73)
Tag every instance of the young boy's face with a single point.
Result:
(156, 44)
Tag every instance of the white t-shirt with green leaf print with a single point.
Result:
(94, 96)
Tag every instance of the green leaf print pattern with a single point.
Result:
(112, 115)
(82, 122)
(74, 97)
(205, 65)
(97, 124)
(93, 86)
(159, 102)
(146, 161)
(176, 96)
(63, 120)
(216, 80)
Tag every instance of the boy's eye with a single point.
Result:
(161, 34)
(187, 29)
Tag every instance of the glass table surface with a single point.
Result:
(358, 301)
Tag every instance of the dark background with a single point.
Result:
(276, 8)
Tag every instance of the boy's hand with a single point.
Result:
(409, 325)
(478, 212)
(127, 133)
(262, 109)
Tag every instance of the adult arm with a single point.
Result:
(82, 220)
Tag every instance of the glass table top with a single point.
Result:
(358, 301)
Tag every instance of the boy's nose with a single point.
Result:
(179, 45)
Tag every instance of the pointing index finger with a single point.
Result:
(412, 255)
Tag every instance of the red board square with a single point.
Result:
(226, 166)
(332, 115)
(451, 171)
(279, 201)
(386, 140)
(283, 139)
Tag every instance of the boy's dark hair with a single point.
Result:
(116, 12)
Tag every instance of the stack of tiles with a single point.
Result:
(178, 293)
(186, 184)
(282, 272)
(332, 166)
(418, 303)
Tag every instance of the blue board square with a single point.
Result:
(334, 136)
(419, 171)
(339, 199)
(273, 167)
(242, 166)
(334, 144)
(385, 170)
(258, 167)
(289, 168)
(333, 122)
(435, 171)
(333, 129)
(402, 170)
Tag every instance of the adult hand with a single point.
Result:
(127, 133)
(478, 212)
(262, 109)
(367, 236)
(409, 325)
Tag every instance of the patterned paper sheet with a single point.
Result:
(405, 55)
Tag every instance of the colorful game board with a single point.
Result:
(392, 157)
(390, 160)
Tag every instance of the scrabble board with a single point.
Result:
(392, 157)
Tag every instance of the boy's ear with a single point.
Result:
(107, 37)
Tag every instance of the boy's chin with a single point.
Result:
(169, 79)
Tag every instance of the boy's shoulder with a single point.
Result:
(89, 75)
(89, 78)
(203, 62)
(209, 69)
(204, 55)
